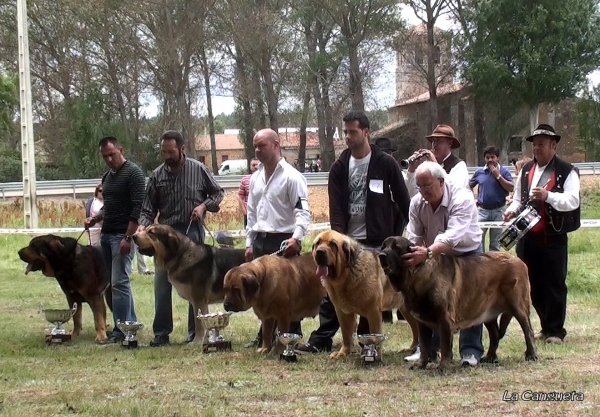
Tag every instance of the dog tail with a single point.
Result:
(505, 319)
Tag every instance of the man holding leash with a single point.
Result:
(123, 192)
(365, 184)
(180, 190)
(443, 220)
(551, 186)
(278, 211)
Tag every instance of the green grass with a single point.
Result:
(90, 380)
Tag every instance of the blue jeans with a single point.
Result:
(163, 301)
(491, 216)
(119, 267)
(469, 340)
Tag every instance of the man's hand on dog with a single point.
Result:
(417, 256)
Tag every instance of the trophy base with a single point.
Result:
(288, 358)
(129, 344)
(216, 346)
(57, 339)
(369, 359)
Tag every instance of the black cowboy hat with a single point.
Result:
(544, 130)
(386, 145)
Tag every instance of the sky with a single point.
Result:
(385, 85)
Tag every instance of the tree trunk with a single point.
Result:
(356, 91)
(271, 97)
(431, 78)
(480, 131)
(243, 91)
(211, 119)
(303, 123)
(534, 115)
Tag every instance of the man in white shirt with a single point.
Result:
(443, 142)
(443, 220)
(278, 211)
(551, 186)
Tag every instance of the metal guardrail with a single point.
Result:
(85, 187)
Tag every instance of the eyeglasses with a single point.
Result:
(424, 187)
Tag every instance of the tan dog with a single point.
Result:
(356, 284)
(452, 293)
(278, 289)
(196, 271)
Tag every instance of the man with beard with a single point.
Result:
(181, 190)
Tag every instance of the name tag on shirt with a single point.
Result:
(376, 186)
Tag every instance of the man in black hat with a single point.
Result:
(551, 186)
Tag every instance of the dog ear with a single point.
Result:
(350, 252)
(251, 285)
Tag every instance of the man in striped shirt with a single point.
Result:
(181, 190)
(244, 190)
(123, 191)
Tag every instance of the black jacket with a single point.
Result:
(379, 212)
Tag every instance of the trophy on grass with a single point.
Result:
(215, 322)
(58, 335)
(370, 351)
(290, 340)
(130, 329)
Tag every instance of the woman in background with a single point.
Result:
(92, 208)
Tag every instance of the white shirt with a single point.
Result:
(458, 176)
(279, 205)
(565, 201)
(454, 222)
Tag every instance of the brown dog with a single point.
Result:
(452, 293)
(356, 284)
(80, 271)
(278, 289)
(196, 271)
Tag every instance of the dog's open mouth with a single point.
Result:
(149, 251)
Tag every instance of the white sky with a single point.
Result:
(385, 87)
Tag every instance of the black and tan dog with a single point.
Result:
(80, 271)
(196, 271)
(356, 284)
(278, 289)
(452, 293)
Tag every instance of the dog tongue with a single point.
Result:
(28, 269)
(322, 271)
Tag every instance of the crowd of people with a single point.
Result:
(370, 198)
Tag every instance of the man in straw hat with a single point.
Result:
(442, 142)
(551, 186)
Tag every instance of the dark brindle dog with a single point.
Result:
(195, 270)
(80, 271)
(451, 293)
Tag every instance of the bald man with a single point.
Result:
(278, 210)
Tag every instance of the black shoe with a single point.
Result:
(111, 340)
(253, 343)
(310, 348)
(159, 341)
(190, 338)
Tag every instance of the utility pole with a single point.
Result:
(30, 212)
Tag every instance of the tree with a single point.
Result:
(541, 51)
(588, 120)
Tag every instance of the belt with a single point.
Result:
(491, 207)
(265, 235)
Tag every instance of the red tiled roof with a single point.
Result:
(441, 91)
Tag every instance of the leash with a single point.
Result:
(282, 249)
(215, 243)
(84, 230)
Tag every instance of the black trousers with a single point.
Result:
(265, 245)
(546, 258)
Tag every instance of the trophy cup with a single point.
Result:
(214, 322)
(58, 317)
(130, 329)
(290, 340)
(371, 343)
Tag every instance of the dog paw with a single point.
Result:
(489, 359)
(263, 350)
(418, 366)
(338, 354)
(531, 357)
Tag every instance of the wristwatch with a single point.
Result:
(429, 253)
(498, 177)
(127, 238)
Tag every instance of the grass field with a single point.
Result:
(91, 380)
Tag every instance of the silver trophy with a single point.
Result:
(130, 329)
(215, 322)
(289, 340)
(371, 344)
(58, 317)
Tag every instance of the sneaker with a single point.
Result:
(112, 340)
(310, 348)
(414, 357)
(554, 340)
(468, 360)
(159, 341)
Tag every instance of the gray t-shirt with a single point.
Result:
(357, 185)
